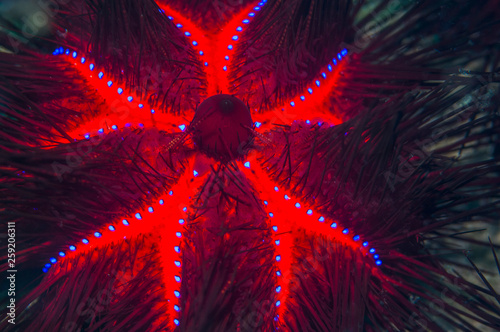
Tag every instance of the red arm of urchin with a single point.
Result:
(122, 106)
(165, 219)
(216, 50)
(139, 77)
(292, 218)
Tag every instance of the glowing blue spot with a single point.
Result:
(72, 248)
(114, 127)
(44, 270)
(48, 265)
(176, 321)
(375, 256)
(378, 262)
(276, 189)
(278, 258)
(178, 25)
(74, 54)
(297, 205)
(170, 18)
(82, 60)
(334, 61)
(265, 203)
(152, 111)
(85, 241)
(278, 289)
(317, 82)
(355, 237)
(372, 251)
(87, 136)
(229, 47)
(226, 57)
(330, 68)
(140, 105)
(275, 228)
(246, 21)
(256, 8)
(177, 249)
(178, 234)
(224, 68)
(91, 67)
(286, 197)
(310, 90)
(365, 244)
(182, 127)
(177, 263)
(67, 51)
(247, 164)
(110, 83)
(302, 98)
(111, 228)
(258, 124)
(129, 98)
(345, 231)
(195, 173)
(235, 37)
(62, 254)
(177, 293)
(333, 225)
(271, 214)
(292, 103)
(177, 278)
(120, 91)
(309, 212)
(100, 75)
(321, 219)
(278, 303)
(251, 14)
(101, 130)
(176, 308)
(344, 51)
(201, 52)
(125, 222)
(278, 273)
(324, 75)
(161, 201)
(181, 221)
(56, 52)
(184, 209)
(195, 43)
(53, 260)
(206, 64)
(150, 209)
(187, 33)
(239, 28)
(308, 121)
(170, 192)
(277, 242)
(339, 56)
(97, 234)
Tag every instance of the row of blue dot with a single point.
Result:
(86, 241)
(120, 91)
(339, 56)
(239, 29)
(310, 212)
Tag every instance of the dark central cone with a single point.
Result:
(220, 127)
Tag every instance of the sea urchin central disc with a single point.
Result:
(221, 127)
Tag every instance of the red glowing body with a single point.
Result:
(242, 169)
